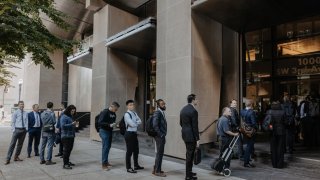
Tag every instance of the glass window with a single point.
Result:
(258, 45)
(299, 46)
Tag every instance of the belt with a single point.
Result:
(21, 128)
(132, 132)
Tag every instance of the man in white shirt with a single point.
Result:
(34, 130)
(19, 126)
(132, 122)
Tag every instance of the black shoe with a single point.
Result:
(249, 165)
(193, 174)
(191, 178)
(138, 168)
(67, 167)
(71, 164)
(42, 162)
(59, 154)
(131, 170)
(50, 163)
(36, 154)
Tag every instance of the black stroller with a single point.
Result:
(220, 163)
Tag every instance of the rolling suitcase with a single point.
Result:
(220, 163)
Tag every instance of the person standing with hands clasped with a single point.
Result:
(160, 126)
(106, 122)
(132, 122)
(190, 133)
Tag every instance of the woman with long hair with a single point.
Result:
(68, 134)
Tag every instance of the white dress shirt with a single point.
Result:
(17, 117)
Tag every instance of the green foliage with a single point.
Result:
(22, 32)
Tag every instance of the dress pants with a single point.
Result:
(19, 135)
(132, 148)
(34, 135)
(160, 142)
(67, 148)
(277, 151)
(191, 147)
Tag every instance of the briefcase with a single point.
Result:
(197, 156)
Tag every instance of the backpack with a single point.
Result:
(149, 127)
(48, 124)
(122, 125)
(96, 122)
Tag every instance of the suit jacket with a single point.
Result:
(32, 121)
(159, 124)
(189, 124)
(249, 117)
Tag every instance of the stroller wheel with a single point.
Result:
(226, 172)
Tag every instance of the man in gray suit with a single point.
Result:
(190, 133)
(160, 126)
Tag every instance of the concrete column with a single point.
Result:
(79, 90)
(174, 66)
(51, 81)
(114, 74)
(207, 71)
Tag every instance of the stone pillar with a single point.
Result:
(174, 66)
(114, 74)
(79, 90)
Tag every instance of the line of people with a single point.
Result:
(42, 126)
(190, 134)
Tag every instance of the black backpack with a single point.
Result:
(149, 127)
(96, 122)
(122, 125)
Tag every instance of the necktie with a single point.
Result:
(22, 119)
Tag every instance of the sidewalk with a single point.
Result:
(87, 155)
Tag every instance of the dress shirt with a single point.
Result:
(17, 117)
(132, 122)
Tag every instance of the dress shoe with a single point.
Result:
(193, 174)
(153, 172)
(59, 154)
(36, 154)
(191, 178)
(67, 167)
(131, 170)
(17, 159)
(249, 165)
(71, 164)
(50, 163)
(105, 167)
(138, 168)
(109, 165)
(160, 174)
(42, 162)
(7, 162)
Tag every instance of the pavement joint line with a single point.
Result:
(47, 173)
(309, 159)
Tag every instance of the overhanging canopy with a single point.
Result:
(83, 59)
(249, 15)
(138, 40)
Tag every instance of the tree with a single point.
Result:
(22, 32)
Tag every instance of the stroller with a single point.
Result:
(220, 163)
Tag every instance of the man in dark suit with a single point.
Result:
(160, 126)
(190, 133)
(34, 130)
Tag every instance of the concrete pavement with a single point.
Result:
(87, 156)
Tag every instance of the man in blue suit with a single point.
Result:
(34, 130)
